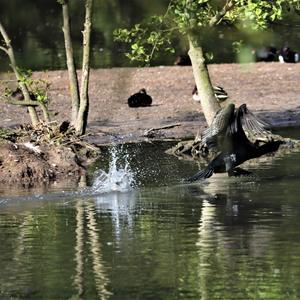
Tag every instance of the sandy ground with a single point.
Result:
(271, 90)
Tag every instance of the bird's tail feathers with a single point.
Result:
(202, 174)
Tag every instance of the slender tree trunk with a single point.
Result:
(82, 116)
(74, 88)
(9, 51)
(209, 102)
(45, 112)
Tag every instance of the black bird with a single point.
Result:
(183, 60)
(268, 53)
(228, 135)
(18, 94)
(287, 55)
(140, 99)
(64, 126)
(220, 94)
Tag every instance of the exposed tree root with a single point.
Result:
(197, 150)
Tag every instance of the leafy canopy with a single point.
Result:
(189, 17)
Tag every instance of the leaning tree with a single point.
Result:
(191, 18)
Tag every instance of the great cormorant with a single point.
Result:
(228, 135)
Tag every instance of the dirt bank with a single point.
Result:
(271, 90)
(19, 163)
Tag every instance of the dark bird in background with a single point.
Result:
(231, 134)
(220, 94)
(140, 99)
(17, 94)
(267, 54)
(286, 55)
(183, 60)
(64, 126)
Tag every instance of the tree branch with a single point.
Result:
(154, 46)
(9, 50)
(82, 115)
(4, 49)
(219, 16)
(28, 104)
(73, 80)
(16, 102)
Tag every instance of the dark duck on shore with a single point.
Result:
(231, 134)
(220, 94)
(287, 55)
(17, 94)
(267, 54)
(140, 99)
(183, 60)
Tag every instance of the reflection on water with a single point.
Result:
(224, 238)
(79, 258)
(100, 276)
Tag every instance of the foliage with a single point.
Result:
(190, 17)
(145, 39)
(38, 87)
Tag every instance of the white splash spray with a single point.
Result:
(118, 178)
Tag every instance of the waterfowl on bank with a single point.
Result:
(220, 94)
(140, 99)
(183, 60)
(266, 54)
(17, 94)
(230, 134)
(286, 55)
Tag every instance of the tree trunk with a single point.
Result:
(209, 102)
(9, 51)
(73, 81)
(45, 112)
(82, 116)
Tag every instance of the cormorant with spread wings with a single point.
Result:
(237, 135)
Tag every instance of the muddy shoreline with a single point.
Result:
(270, 90)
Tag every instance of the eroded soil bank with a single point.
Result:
(21, 164)
(270, 90)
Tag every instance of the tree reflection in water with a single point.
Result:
(86, 215)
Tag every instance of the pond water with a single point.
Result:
(35, 29)
(152, 236)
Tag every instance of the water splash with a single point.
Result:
(118, 178)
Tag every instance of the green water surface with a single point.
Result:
(224, 238)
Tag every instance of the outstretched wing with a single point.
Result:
(218, 127)
(252, 123)
(254, 128)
